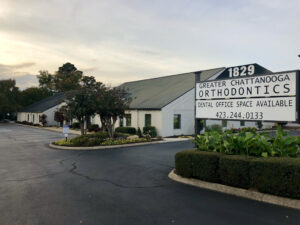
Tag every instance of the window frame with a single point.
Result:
(179, 121)
(149, 117)
(126, 120)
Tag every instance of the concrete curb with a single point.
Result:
(51, 145)
(254, 195)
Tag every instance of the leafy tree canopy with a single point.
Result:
(33, 94)
(111, 104)
(67, 78)
(9, 96)
(81, 102)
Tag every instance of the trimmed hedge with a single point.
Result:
(234, 170)
(201, 165)
(127, 130)
(278, 176)
(183, 163)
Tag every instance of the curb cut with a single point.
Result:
(105, 147)
(254, 195)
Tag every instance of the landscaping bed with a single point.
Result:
(250, 160)
(101, 139)
(278, 176)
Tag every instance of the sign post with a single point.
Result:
(66, 131)
(271, 97)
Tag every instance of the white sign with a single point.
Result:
(262, 98)
(268, 109)
(65, 129)
(283, 84)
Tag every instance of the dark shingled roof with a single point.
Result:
(47, 103)
(156, 93)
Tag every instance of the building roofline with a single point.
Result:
(153, 78)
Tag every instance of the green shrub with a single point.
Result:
(93, 128)
(150, 130)
(89, 139)
(110, 141)
(127, 130)
(284, 145)
(139, 132)
(273, 175)
(214, 127)
(278, 176)
(75, 125)
(249, 143)
(183, 163)
(234, 170)
(121, 135)
(205, 166)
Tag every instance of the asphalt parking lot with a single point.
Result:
(130, 186)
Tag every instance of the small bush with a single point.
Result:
(205, 166)
(139, 132)
(127, 130)
(278, 176)
(150, 130)
(183, 163)
(121, 135)
(75, 125)
(214, 127)
(234, 170)
(93, 128)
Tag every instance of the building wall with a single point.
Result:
(29, 117)
(34, 117)
(184, 106)
(138, 119)
(50, 114)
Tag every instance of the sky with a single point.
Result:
(125, 40)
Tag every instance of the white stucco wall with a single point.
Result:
(184, 106)
(50, 114)
(29, 117)
(138, 119)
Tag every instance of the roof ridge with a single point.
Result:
(197, 71)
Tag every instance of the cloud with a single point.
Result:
(15, 69)
(118, 41)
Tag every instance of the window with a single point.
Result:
(128, 120)
(224, 123)
(121, 121)
(28, 117)
(147, 120)
(177, 121)
(242, 123)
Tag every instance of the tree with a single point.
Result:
(9, 98)
(33, 94)
(65, 113)
(81, 103)
(59, 117)
(111, 104)
(43, 119)
(67, 78)
(46, 80)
